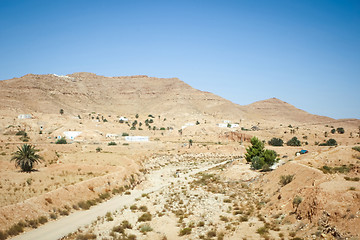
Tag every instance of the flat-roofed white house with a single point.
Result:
(137, 138)
(24, 116)
(71, 134)
(124, 119)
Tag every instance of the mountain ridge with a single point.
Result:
(83, 92)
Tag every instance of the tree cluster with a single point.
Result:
(260, 157)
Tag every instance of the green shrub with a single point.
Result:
(145, 217)
(112, 143)
(86, 236)
(21, 133)
(297, 200)
(98, 149)
(104, 196)
(3, 235)
(143, 208)
(330, 142)
(286, 179)
(211, 233)
(255, 150)
(340, 130)
(126, 224)
(262, 230)
(333, 130)
(125, 134)
(42, 219)
(257, 162)
(118, 229)
(259, 157)
(84, 205)
(293, 142)
(276, 142)
(356, 148)
(185, 231)
(145, 228)
(61, 141)
(16, 229)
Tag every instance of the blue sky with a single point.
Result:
(305, 52)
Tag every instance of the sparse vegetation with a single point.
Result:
(340, 169)
(112, 143)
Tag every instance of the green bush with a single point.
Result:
(286, 179)
(61, 141)
(112, 143)
(42, 219)
(330, 142)
(86, 236)
(276, 142)
(125, 134)
(21, 133)
(294, 142)
(16, 229)
(340, 130)
(333, 130)
(356, 148)
(255, 150)
(297, 200)
(257, 162)
(145, 228)
(259, 157)
(185, 231)
(98, 149)
(145, 217)
(3, 235)
(84, 205)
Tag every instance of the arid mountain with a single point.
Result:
(274, 108)
(87, 92)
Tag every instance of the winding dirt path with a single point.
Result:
(62, 227)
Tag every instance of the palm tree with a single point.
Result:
(25, 157)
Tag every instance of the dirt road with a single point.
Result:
(155, 181)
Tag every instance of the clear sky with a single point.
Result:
(304, 52)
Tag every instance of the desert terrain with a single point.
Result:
(186, 178)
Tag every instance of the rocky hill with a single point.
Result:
(87, 92)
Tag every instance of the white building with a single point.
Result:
(71, 134)
(123, 119)
(24, 116)
(222, 125)
(234, 125)
(137, 138)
